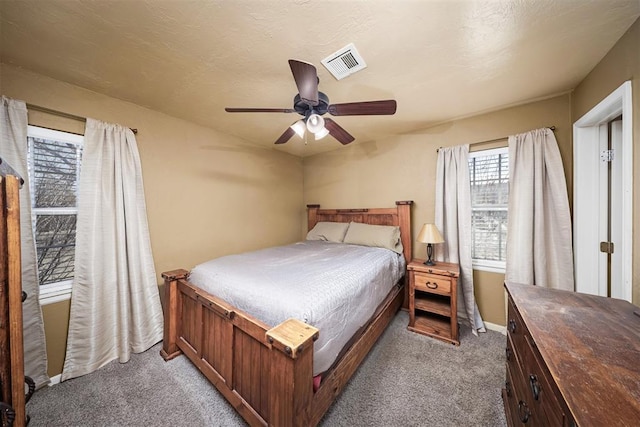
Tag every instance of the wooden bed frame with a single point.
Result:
(264, 372)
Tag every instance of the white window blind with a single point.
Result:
(489, 175)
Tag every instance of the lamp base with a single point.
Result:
(429, 260)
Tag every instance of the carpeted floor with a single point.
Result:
(407, 380)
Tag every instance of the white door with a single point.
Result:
(602, 209)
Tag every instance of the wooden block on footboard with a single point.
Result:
(291, 393)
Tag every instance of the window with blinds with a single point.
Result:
(54, 169)
(489, 175)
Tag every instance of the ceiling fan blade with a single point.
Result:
(285, 136)
(338, 132)
(259, 110)
(306, 77)
(367, 108)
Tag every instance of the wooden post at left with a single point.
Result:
(11, 344)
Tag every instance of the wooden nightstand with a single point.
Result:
(433, 299)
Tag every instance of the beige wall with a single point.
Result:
(622, 63)
(403, 168)
(207, 194)
(56, 326)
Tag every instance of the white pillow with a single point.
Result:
(328, 231)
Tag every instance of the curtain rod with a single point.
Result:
(62, 114)
(496, 139)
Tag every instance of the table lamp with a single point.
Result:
(430, 235)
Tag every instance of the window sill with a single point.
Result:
(55, 292)
(490, 266)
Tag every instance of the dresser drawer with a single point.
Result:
(521, 404)
(510, 399)
(512, 357)
(539, 392)
(432, 283)
(515, 327)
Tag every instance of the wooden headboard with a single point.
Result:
(400, 216)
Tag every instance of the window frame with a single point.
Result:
(492, 266)
(57, 291)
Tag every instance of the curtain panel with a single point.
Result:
(115, 305)
(453, 218)
(13, 148)
(539, 237)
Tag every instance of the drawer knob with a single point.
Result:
(507, 352)
(535, 386)
(431, 285)
(512, 325)
(523, 412)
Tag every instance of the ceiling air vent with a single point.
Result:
(344, 62)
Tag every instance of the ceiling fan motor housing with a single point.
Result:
(306, 110)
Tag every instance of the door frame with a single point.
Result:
(586, 163)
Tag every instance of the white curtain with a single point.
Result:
(115, 306)
(539, 242)
(453, 219)
(13, 149)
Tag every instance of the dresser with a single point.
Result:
(571, 359)
(433, 299)
(12, 379)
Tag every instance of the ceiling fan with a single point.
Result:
(312, 105)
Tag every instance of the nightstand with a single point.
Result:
(433, 300)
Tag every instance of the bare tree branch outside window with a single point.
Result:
(54, 169)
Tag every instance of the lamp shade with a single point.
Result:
(299, 127)
(315, 123)
(322, 133)
(430, 234)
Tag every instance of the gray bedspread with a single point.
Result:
(335, 287)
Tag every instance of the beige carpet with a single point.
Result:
(407, 380)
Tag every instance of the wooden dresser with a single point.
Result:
(572, 359)
(12, 379)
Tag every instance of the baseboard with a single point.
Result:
(55, 380)
(497, 328)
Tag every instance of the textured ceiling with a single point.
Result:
(439, 59)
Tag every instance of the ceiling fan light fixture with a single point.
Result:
(322, 133)
(315, 123)
(299, 128)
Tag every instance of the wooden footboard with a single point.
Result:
(265, 373)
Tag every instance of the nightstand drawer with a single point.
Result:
(431, 283)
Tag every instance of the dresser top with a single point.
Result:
(591, 346)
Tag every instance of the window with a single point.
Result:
(54, 169)
(489, 175)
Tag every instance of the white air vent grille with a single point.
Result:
(344, 62)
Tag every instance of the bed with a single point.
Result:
(266, 373)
